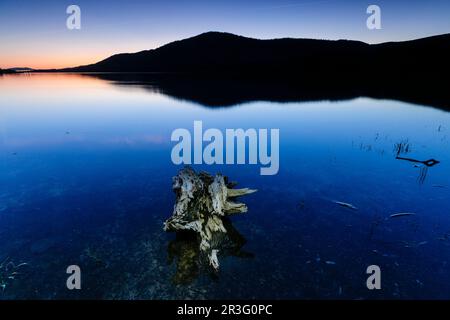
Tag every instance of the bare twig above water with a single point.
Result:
(428, 163)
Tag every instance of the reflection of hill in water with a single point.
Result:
(230, 91)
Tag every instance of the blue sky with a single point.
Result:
(34, 33)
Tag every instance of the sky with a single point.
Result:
(34, 33)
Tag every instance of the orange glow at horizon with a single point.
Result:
(49, 62)
(64, 55)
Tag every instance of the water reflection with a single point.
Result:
(184, 251)
(85, 162)
(230, 91)
(423, 165)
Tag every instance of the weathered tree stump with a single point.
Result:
(202, 204)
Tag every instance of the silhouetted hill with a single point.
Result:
(7, 71)
(218, 69)
(215, 52)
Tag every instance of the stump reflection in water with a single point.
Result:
(184, 250)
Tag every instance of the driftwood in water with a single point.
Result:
(202, 203)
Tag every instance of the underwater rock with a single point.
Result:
(42, 245)
(202, 204)
(186, 251)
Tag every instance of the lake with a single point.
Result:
(86, 179)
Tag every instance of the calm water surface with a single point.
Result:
(85, 178)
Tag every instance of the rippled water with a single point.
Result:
(85, 178)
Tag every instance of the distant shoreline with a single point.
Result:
(7, 71)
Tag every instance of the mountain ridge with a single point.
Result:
(221, 52)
